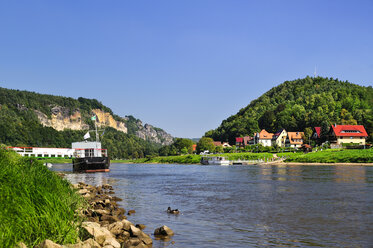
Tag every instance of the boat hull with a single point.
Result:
(91, 164)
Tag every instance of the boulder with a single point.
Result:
(90, 243)
(111, 241)
(141, 226)
(83, 191)
(134, 231)
(146, 239)
(126, 224)
(21, 245)
(163, 231)
(96, 230)
(131, 212)
(116, 227)
(109, 218)
(48, 244)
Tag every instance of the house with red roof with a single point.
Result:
(263, 137)
(347, 134)
(223, 144)
(244, 141)
(294, 139)
(316, 133)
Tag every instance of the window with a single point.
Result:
(53, 156)
(40, 155)
(60, 156)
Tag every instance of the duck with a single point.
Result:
(172, 211)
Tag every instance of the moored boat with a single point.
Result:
(89, 157)
(216, 160)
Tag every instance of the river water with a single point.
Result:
(246, 206)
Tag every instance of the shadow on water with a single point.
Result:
(247, 206)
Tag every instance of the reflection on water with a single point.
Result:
(247, 206)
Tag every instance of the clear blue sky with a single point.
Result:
(183, 66)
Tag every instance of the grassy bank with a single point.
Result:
(56, 160)
(327, 156)
(195, 159)
(36, 204)
(334, 156)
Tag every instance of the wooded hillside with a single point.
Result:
(20, 126)
(296, 105)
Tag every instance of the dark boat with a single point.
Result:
(88, 155)
(91, 164)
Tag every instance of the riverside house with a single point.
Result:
(223, 144)
(279, 138)
(294, 139)
(263, 137)
(347, 134)
(244, 141)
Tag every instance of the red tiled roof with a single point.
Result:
(296, 137)
(318, 131)
(265, 135)
(238, 139)
(350, 130)
(217, 143)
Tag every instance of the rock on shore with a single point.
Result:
(106, 225)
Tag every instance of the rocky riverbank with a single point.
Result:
(106, 224)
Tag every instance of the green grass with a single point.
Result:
(195, 159)
(334, 156)
(36, 204)
(56, 160)
(326, 156)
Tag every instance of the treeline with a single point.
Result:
(300, 104)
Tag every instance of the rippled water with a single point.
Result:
(247, 206)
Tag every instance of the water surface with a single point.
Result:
(246, 206)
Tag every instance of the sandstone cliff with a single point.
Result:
(64, 118)
(107, 120)
(61, 119)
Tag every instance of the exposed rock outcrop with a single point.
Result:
(64, 118)
(157, 135)
(105, 119)
(61, 119)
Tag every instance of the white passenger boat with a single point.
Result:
(214, 161)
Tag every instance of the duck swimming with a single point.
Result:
(172, 211)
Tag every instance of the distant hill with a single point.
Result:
(296, 105)
(33, 119)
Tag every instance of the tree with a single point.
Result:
(205, 144)
(307, 134)
(219, 149)
(181, 143)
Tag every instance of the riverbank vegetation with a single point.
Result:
(196, 159)
(334, 156)
(325, 156)
(36, 204)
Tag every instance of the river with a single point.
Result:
(246, 206)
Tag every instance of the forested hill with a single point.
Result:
(296, 105)
(33, 119)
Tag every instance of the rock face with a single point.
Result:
(157, 135)
(106, 120)
(61, 119)
(65, 118)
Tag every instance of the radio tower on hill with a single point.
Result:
(315, 72)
